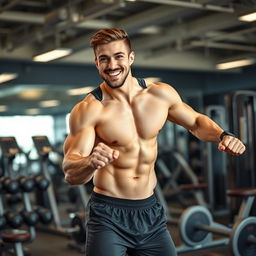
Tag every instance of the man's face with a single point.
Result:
(113, 60)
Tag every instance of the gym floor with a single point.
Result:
(47, 244)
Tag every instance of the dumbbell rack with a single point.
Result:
(14, 237)
(22, 185)
(43, 148)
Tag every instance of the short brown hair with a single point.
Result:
(105, 36)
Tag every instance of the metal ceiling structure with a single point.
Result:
(170, 34)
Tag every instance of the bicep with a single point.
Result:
(80, 143)
(82, 124)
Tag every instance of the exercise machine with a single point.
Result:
(215, 163)
(242, 122)
(196, 227)
(172, 186)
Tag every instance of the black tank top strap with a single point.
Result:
(142, 82)
(97, 93)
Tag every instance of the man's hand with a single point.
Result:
(102, 155)
(231, 145)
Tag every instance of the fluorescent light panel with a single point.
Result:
(153, 79)
(248, 17)
(32, 111)
(31, 94)
(49, 103)
(80, 91)
(3, 108)
(234, 64)
(53, 55)
(7, 77)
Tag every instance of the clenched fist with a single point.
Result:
(102, 155)
(231, 145)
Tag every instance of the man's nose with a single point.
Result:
(112, 64)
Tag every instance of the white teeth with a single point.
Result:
(114, 73)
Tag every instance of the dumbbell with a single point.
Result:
(14, 219)
(78, 221)
(31, 218)
(27, 184)
(3, 222)
(42, 183)
(9, 185)
(196, 225)
(45, 215)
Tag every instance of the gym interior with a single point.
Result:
(205, 49)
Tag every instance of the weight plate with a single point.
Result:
(192, 216)
(239, 241)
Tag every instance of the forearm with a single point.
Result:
(206, 129)
(77, 169)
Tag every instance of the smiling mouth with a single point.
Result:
(113, 73)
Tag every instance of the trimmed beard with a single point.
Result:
(119, 85)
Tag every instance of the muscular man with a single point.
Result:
(113, 139)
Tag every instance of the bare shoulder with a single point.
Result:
(85, 113)
(164, 91)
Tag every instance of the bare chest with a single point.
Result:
(122, 124)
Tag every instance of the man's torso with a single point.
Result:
(131, 128)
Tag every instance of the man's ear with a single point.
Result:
(131, 57)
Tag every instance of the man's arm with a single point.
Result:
(81, 157)
(79, 144)
(201, 125)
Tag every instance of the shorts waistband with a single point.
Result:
(137, 203)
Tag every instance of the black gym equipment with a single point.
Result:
(242, 121)
(12, 238)
(193, 238)
(79, 234)
(215, 163)
(171, 185)
(13, 218)
(44, 148)
(196, 227)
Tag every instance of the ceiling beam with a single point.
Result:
(149, 17)
(192, 4)
(10, 5)
(228, 46)
(187, 30)
(47, 31)
(231, 35)
(25, 17)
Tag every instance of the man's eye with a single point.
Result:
(119, 56)
(103, 59)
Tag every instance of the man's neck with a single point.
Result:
(124, 93)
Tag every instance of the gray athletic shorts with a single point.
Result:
(116, 226)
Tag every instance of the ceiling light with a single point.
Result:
(3, 108)
(32, 111)
(31, 94)
(248, 17)
(152, 79)
(7, 77)
(151, 30)
(80, 91)
(49, 103)
(52, 55)
(234, 64)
